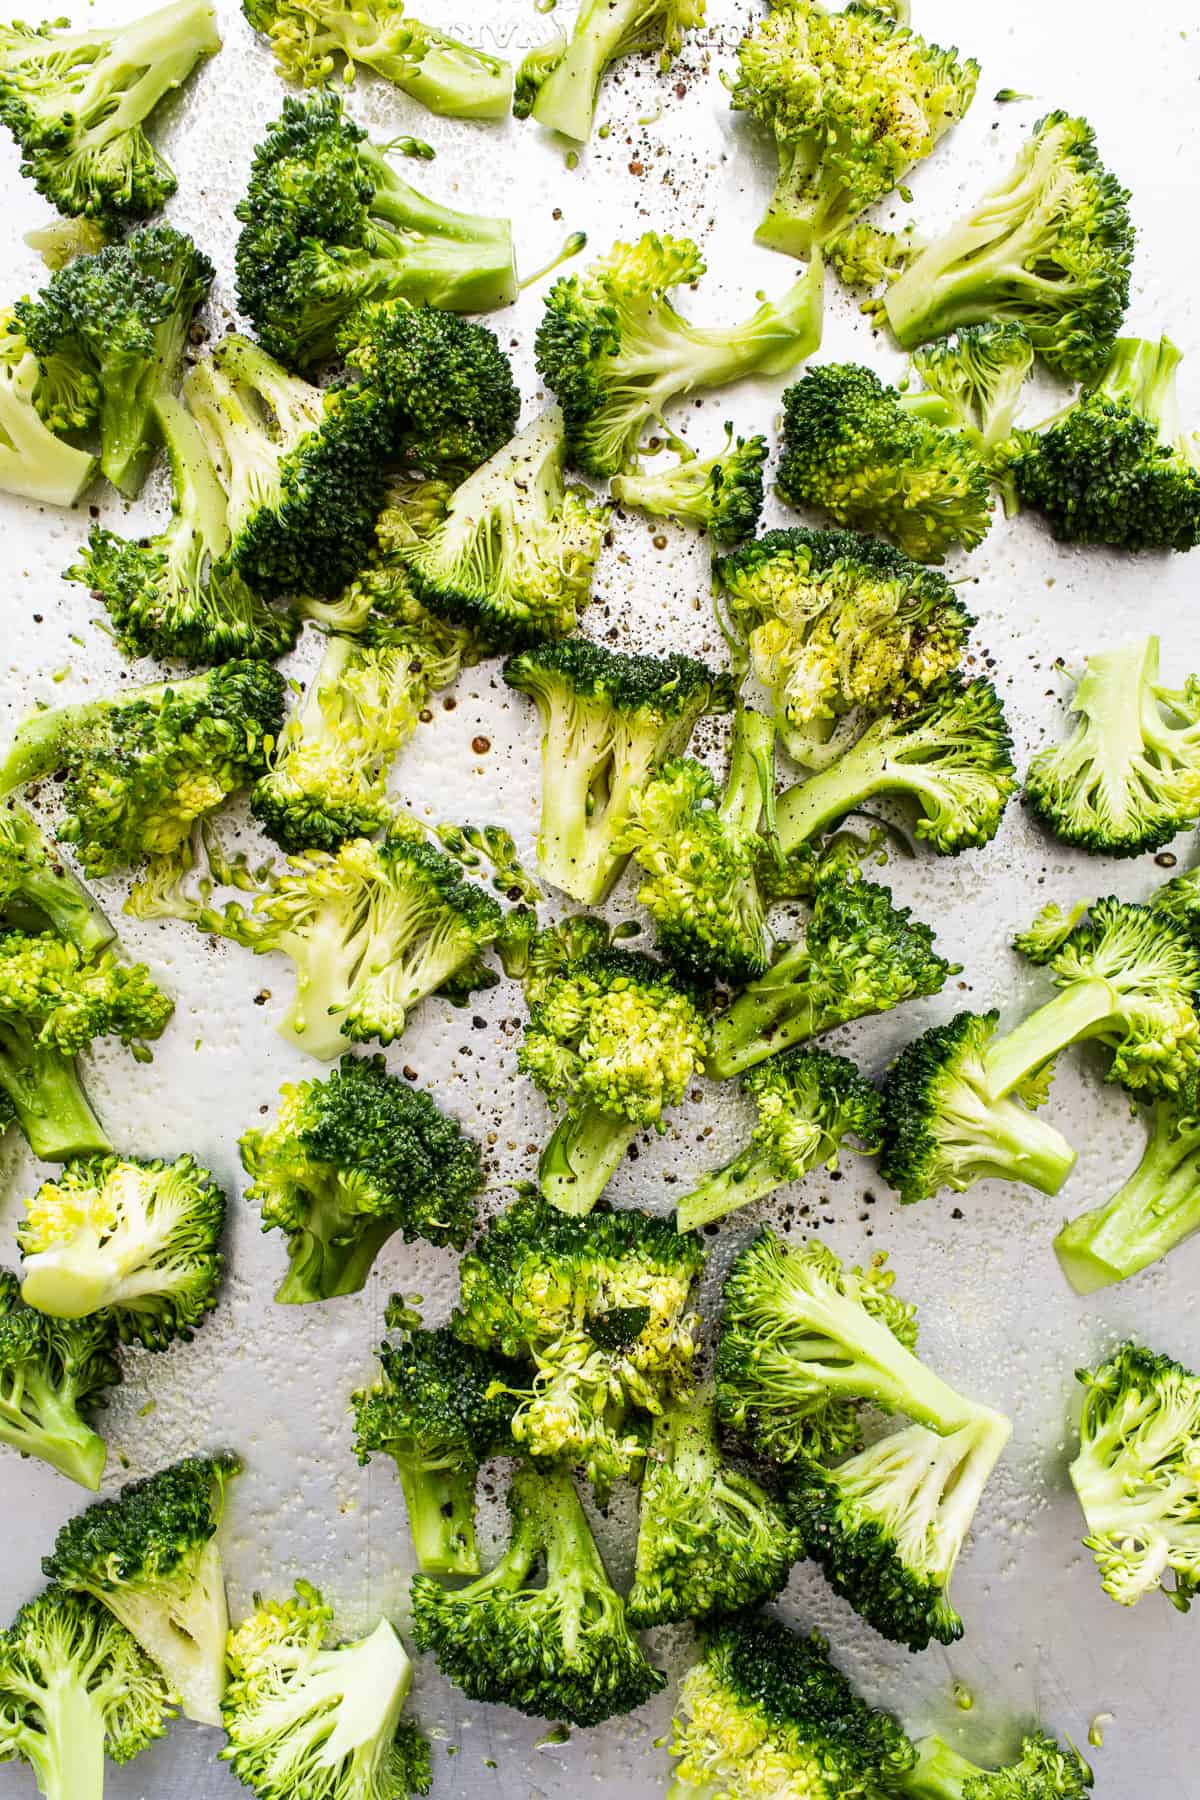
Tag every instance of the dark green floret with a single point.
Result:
(54, 1374)
(1157, 1208)
(38, 889)
(721, 493)
(559, 84)
(35, 461)
(1043, 1771)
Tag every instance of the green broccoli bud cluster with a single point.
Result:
(54, 1373)
(721, 493)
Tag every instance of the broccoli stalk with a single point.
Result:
(51, 1374)
(721, 493)
(1043, 1771)
(34, 461)
(1156, 1209)
(567, 85)
(32, 877)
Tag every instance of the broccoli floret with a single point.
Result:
(76, 102)
(512, 559)
(863, 256)
(808, 1102)
(560, 83)
(348, 1162)
(1049, 249)
(150, 1556)
(37, 887)
(382, 593)
(53, 1374)
(174, 594)
(1043, 1771)
(879, 460)
(1156, 1209)
(710, 1540)
(137, 1240)
(941, 1128)
(858, 954)
(765, 1713)
(852, 99)
(326, 1723)
(1136, 1474)
(721, 493)
(840, 628)
(560, 1651)
(596, 1311)
(616, 353)
(327, 224)
(1117, 466)
(142, 766)
(120, 320)
(34, 461)
(980, 372)
(75, 1689)
(311, 39)
(805, 1342)
(609, 721)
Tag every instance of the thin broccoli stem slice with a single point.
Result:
(67, 1753)
(441, 1516)
(40, 1419)
(866, 771)
(1152, 1212)
(1079, 1011)
(584, 1152)
(181, 1620)
(748, 1177)
(445, 75)
(603, 31)
(749, 796)
(48, 1098)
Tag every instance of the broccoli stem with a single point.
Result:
(971, 275)
(51, 888)
(1141, 372)
(1156, 1209)
(40, 741)
(447, 76)
(772, 1014)
(749, 1176)
(749, 795)
(582, 1156)
(939, 1773)
(68, 1757)
(321, 1268)
(441, 1516)
(460, 261)
(38, 1419)
(48, 1098)
(147, 59)
(603, 29)
(181, 1621)
(33, 461)
(1079, 1011)
(865, 771)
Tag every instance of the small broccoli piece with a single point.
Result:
(858, 955)
(142, 766)
(1043, 1771)
(560, 1651)
(615, 351)
(980, 372)
(303, 1719)
(348, 1162)
(37, 887)
(512, 559)
(863, 256)
(596, 1311)
(721, 493)
(328, 224)
(1116, 467)
(310, 39)
(941, 1128)
(1156, 1209)
(119, 320)
(853, 99)
(76, 102)
(710, 1541)
(560, 84)
(840, 629)
(35, 461)
(808, 1102)
(805, 1342)
(887, 1526)
(440, 1409)
(60, 240)
(150, 1556)
(1050, 249)
(879, 460)
(609, 721)
(52, 1375)
(75, 1689)
(765, 1713)
(1136, 1474)
(137, 1240)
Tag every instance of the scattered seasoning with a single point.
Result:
(481, 745)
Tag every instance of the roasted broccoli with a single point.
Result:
(564, 1650)
(52, 1375)
(980, 372)
(35, 461)
(77, 101)
(348, 1162)
(852, 99)
(150, 1556)
(62, 238)
(560, 86)
(864, 256)
(879, 460)
(325, 1723)
(615, 351)
(1150, 1213)
(1050, 248)
(597, 1312)
(327, 224)
(609, 721)
(38, 889)
(1043, 1771)
(721, 493)
(839, 629)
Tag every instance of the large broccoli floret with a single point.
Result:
(879, 460)
(76, 102)
(941, 1128)
(37, 887)
(53, 1374)
(142, 766)
(596, 1310)
(75, 1689)
(1049, 249)
(858, 954)
(1043, 1771)
(150, 1556)
(311, 37)
(1156, 1209)
(840, 628)
(381, 594)
(439, 1409)
(1117, 467)
(710, 1541)
(765, 1713)
(616, 353)
(35, 461)
(328, 224)
(609, 721)
(303, 1719)
(560, 1651)
(808, 1102)
(721, 493)
(137, 1240)
(560, 84)
(348, 1162)
(853, 99)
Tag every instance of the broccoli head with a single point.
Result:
(37, 887)
(721, 493)
(1043, 1771)
(53, 1373)
(560, 84)
(35, 461)
(1156, 1209)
